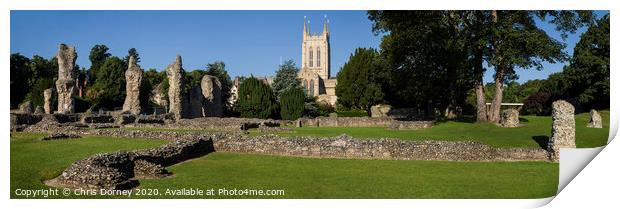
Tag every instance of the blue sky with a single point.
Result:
(249, 42)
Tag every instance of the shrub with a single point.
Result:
(538, 103)
(292, 104)
(352, 113)
(256, 99)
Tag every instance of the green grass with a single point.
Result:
(344, 178)
(33, 161)
(535, 132)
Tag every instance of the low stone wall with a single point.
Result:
(118, 170)
(393, 149)
(211, 123)
(364, 122)
(24, 119)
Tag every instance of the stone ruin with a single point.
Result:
(133, 78)
(26, 107)
(119, 170)
(510, 118)
(562, 130)
(175, 74)
(595, 120)
(206, 99)
(212, 93)
(39, 110)
(65, 85)
(387, 122)
(47, 100)
(380, 110)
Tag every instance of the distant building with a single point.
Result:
(315, 65)
(315, 68)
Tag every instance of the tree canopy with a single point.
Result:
(286, 78)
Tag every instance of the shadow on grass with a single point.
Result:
(542, 141)
(523, 120)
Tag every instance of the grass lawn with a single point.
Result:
(535, 132)
(33, 161)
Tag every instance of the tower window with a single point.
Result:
(310, 57)
(312, 87)
(318, 57)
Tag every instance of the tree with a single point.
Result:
(132, 52)
(292, 103)
(44, 74)
(360, 80)
(256, 99)
(218, 69)
(425, 54)
(98, 55)
(20, 78)
(589, 69)
(517, 42)
(109, 87)
(286, 78)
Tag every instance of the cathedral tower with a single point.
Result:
(315, 50)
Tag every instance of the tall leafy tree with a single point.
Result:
(256, 99)
(360, 80)
(21, 74)
(589, 69)
(98, 55)
(286, 78)
(44, 74)
(517, 42)
(109, 88)
(424, 52)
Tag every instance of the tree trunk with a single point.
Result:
(481, 107)
(497, 96)
(499, 78)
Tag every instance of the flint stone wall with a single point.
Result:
(563, 128)
(133, 78)
(175, 74)
(47, 100)
(118, 170)
(346, 147)
(595, 120)
(510, 118)
(212, 92)
(364, 122)
(65, 85)
(26, 107)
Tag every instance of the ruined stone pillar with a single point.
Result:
(595, 120)
(196, 102)
(65, 85)
(563, 129)
(212, 92)
(510, 118)
(175, 74)
(133, 80)
(47, 100)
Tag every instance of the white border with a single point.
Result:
(595, 185)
